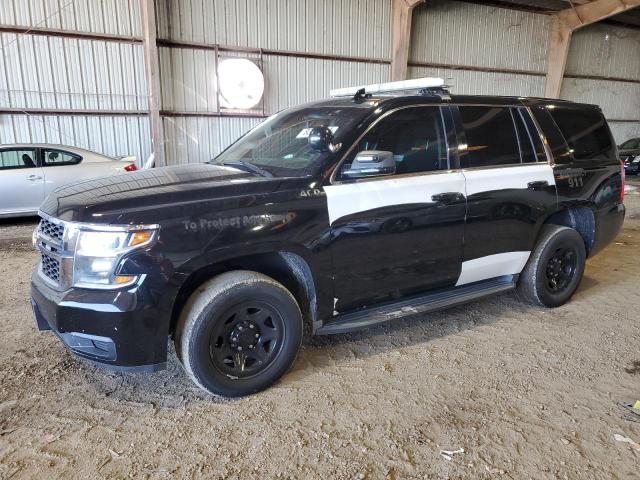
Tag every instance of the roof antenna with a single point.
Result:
(360, 95)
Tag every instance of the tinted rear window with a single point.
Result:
(555, 140)
(585, 131)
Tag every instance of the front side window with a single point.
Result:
(58, 157)
(415, 136)
(491, 137)
(10, 159)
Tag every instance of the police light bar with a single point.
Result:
(414, 84)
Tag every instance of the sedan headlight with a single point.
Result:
(98, 255)
(636, 159)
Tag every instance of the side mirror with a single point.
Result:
(371, 163)
(320, 138)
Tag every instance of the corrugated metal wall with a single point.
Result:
(56, 73)
(116, 17)
(452, 39)
(472, 36)
(307, 26)
(336, 27)
(463, 34)
(111, 135)
(608, 51)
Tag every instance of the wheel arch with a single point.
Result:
(285, 267)
(581, 218)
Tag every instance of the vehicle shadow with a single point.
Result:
(172, 388)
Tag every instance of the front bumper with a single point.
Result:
(121, 329)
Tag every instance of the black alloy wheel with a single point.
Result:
(238, 333)
(561, 268)
(555, 267)
(246, 339)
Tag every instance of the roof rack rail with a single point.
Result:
(423, 86)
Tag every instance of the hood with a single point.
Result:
(135, 197)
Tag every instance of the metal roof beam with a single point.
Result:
(401, 14)
(152, 72)
(564, 23)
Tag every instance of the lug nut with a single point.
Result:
(257, 335)
(239, 349)
(251, 326)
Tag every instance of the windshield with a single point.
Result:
(279, 145)
(630, 144)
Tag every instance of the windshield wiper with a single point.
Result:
(249, 167)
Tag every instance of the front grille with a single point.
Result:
(52, 230)
(50, 267)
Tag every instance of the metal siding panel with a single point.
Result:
(200, 139)
(114, 136)
(116, 17)
(479, 35)
(619, 100)
(318, 26)
(606, 50)
(484, 83)
(292, 81)
(623, 131)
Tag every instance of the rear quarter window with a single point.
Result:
(586, 132)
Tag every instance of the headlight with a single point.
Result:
(636, 159)
(98, 255)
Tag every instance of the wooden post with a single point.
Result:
(564, 23)
(401, 14)
(152, 72)
(559, 41)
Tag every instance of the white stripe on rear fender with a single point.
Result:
(489, 179)
(492, 266)
(349, 198)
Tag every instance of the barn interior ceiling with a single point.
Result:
(630, 18)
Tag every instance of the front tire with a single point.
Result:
(238, 333)
(555, 267)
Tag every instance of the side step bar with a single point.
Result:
(437, 300)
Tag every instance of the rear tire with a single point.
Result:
(555, 267)
(238, 333)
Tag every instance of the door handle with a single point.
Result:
(537, 185)
(34, 177)
(447, 197)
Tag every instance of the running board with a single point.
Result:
(437, 300)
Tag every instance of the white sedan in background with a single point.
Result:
(29, 172)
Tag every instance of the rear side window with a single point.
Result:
(586, 132)
(553, 137)
(57, 157)
(491, 137)
(10, 159)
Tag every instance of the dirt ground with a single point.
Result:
(526, 392)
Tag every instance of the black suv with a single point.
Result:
(629, 153)
(330, 217)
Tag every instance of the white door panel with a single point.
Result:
(349, 198)
(486, 180)
(21, 190)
